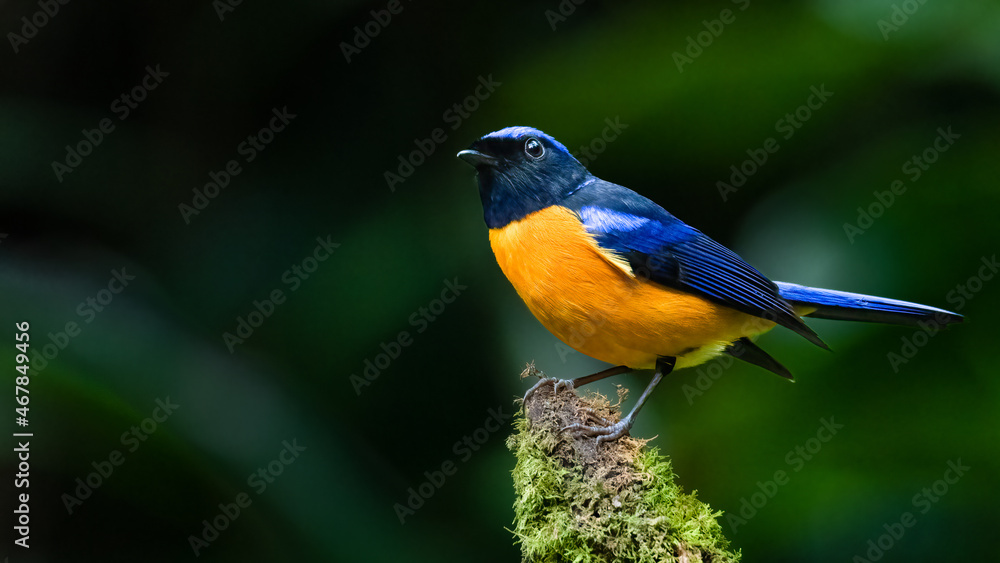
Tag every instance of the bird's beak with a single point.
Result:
(476, 158)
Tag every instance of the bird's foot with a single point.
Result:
(556, 385)
(603, 433)
(563, 383)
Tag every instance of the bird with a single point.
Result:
(618, 278)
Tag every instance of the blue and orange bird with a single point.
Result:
(649, 291)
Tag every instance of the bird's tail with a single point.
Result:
(841, 305)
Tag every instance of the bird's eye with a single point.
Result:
(533, 148)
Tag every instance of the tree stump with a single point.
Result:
(617, 501)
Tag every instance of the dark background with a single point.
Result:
(323, 176)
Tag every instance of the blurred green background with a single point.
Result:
(695, 86)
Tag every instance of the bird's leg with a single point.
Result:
(590, 379)
(619, 429)
(574, 383)
(598, 376)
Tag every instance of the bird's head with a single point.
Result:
(521, 170)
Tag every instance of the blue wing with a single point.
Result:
(663, 248)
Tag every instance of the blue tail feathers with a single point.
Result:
(841, 305)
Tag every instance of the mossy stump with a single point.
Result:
(580, 501)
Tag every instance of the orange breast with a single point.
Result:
(591, 301)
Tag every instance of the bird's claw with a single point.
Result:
(593, 415)
(603, 433)
(556, 385)
(563, 383)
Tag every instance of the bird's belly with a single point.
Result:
(591, 300)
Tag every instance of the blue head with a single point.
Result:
(521, 170)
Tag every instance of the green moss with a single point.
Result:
(583, 502)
